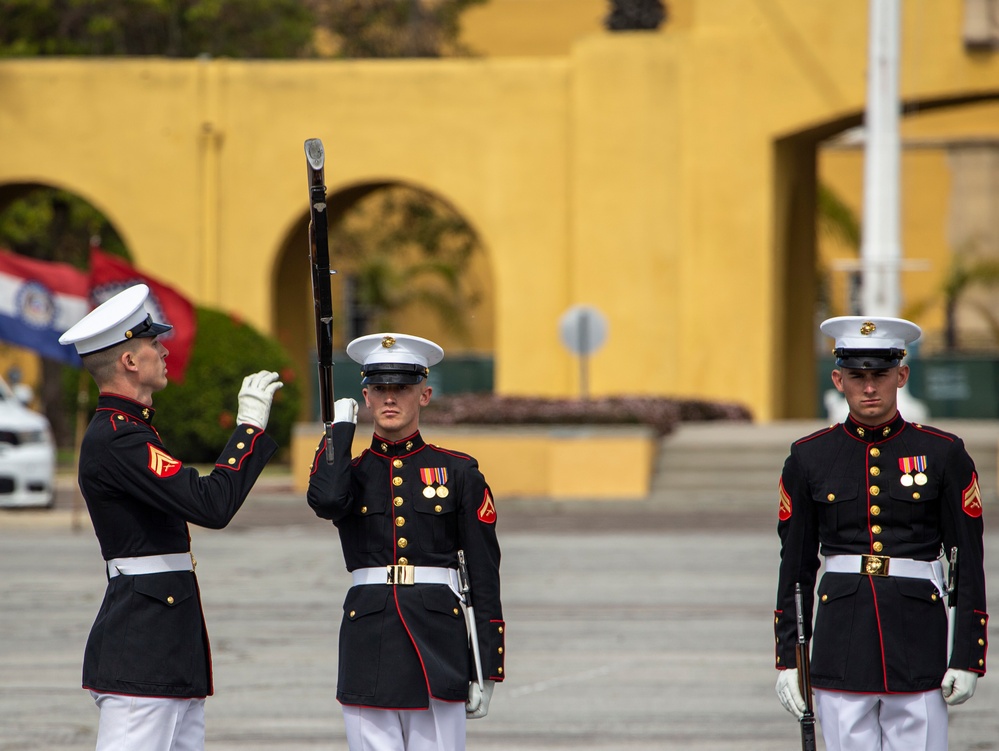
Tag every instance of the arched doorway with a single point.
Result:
(49, 223)
(815, 271)
(406, 260)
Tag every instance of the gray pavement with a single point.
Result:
(631, 625)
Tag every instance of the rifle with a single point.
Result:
(319, 257)
(951, 601)
(804, 679)
(465, 587)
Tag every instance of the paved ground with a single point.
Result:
(631, 627)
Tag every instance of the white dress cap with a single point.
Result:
(116, 320)
(870, 342)
(394, 358)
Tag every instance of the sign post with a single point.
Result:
(583, 330)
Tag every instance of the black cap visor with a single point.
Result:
(393, 372)
(868, 359)
(147, 329)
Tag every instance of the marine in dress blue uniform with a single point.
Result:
(147, 661)
(881, 500)
(403, 510)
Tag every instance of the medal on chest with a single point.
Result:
(910, 465)
(435, 479)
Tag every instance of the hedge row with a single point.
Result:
(660, 413)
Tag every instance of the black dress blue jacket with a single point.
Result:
(401, 645)
(843, 491)
(149, 637)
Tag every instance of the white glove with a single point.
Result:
(958, 686)
(255, 398)
(478, 701)
(789, 693)
(345, 410)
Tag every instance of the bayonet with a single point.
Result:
(465, 587)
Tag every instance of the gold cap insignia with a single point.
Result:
(867, 328)
(388, 341)
(128, 334)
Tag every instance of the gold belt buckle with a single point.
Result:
(397, 574)
(874, 565)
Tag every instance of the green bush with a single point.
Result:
(660, 413)
(195, 418)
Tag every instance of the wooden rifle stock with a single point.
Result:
(319, 257)
(807, 721)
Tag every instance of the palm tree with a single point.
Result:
(967, 272)
(404, 248)
(837, 220)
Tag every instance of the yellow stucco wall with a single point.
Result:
(655, 175)
(534, 28)
(526, 462)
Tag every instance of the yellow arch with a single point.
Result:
(291, 289)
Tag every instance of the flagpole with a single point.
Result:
(81, 427)
(881, 246)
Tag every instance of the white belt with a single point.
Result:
(151, 564)
(882, 565)
(406, 575)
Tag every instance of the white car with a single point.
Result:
(27, 453)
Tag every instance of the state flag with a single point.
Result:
(39, 301)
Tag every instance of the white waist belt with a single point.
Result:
(406, 575)
(882, 565)
(150, 564)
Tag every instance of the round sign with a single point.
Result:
(583, 329)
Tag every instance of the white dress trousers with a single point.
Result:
(440, 728)
(145, 723)
(882, 722)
